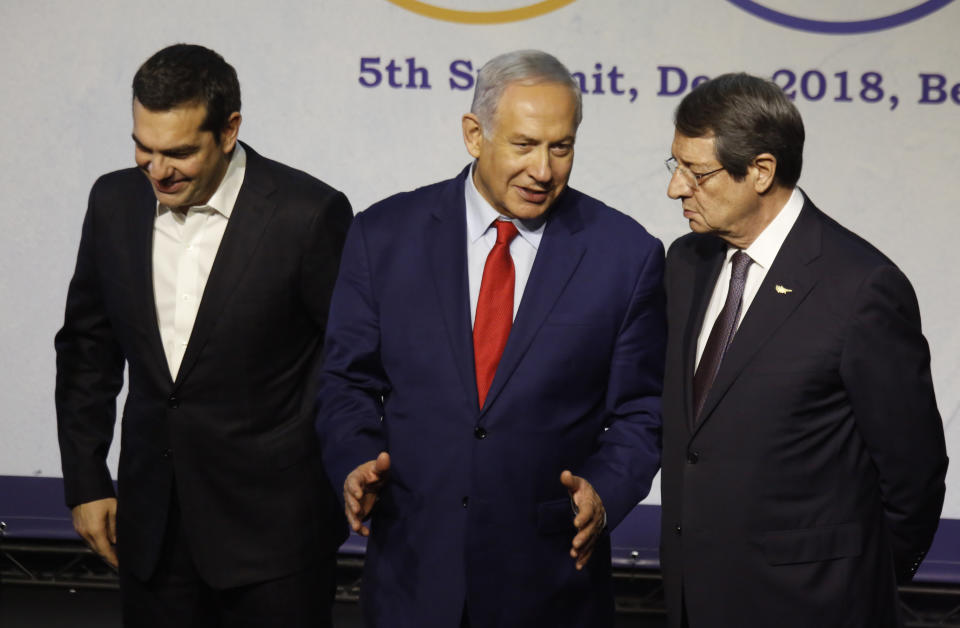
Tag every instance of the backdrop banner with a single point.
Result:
(367, 95)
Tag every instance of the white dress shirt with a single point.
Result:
(184, 247)
(481, 236)
(762, 251)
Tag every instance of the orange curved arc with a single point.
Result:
(481, 17)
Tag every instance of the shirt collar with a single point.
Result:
(225, 196)
(764, 249)
(481, 214)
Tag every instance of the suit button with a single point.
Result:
(693, 457)
(479, 433)
(677, 529)
(173, 402)
(167, 453)
(466, 500)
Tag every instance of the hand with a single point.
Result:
(96, 522)
(590, 516)
(360, 491)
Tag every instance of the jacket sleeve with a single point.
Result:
(89, 376)
(886, 370)
(352, 381)
(628, 453)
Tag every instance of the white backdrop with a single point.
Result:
(886, 169)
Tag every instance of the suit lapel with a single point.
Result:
(446, 244)
(140, 240)
(560, 252)
(251, 213)
(768, 311)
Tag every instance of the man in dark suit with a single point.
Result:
(804, 457)
(207, 270)
(493, 375)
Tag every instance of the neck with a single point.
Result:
(769, 205)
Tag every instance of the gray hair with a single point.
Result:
(528, 67)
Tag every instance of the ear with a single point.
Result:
(764, 170)
(228, 136)
(472, 134)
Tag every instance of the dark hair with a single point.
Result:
(748, 116)
(186, 74)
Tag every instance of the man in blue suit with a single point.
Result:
(491, 393)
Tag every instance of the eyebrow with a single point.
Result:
(520, 137)
(186, 149)
(688, 164)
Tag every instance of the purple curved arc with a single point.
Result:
(842, 28)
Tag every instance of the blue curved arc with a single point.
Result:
(842, 28)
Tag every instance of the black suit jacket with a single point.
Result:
(232, 435)
(813, 481)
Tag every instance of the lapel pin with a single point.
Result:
(782, 290)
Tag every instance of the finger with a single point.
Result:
(382, 463)
(583, 537)
(586, 513)
(570, 481)
(112, 526)
(377, 472)
(111, 557)
(351, 506)
(100, 544)
(366, 505)
(89, 531)
(356, 482)
(584, 557)
(352, 519)
(351, 486)
(361, 508)
(371, 479)
(585, 549)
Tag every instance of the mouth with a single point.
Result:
(534, 196)
(169, 187)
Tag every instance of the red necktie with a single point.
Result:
(494, 317)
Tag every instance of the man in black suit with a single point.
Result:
(207, 270)
(804, 457)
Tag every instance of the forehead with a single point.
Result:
(538, 108)
(168, 126)
(694, 150)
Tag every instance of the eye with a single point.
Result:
(561, 150)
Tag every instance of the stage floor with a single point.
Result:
(51, 607)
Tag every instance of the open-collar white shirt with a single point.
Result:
(184, 247)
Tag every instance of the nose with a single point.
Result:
(678, 186)
(539, 168)
(159, 168)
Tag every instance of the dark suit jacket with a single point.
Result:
(814, 479)
(233, 434)
(473, 510)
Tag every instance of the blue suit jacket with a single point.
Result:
(474, 511)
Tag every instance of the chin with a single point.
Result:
(529, 212)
